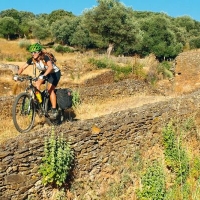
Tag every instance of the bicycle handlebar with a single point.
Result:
(29, 78)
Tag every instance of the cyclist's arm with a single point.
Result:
(21, 69)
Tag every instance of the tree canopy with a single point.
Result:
(110, 22)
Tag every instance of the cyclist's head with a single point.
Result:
(35, 47)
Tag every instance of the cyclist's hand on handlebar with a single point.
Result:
(42, 77)
(16, 76)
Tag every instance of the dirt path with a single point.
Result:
(91, 110)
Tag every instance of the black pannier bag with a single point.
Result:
(64, 97)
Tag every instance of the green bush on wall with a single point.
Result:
(57, 161)
(153, 182)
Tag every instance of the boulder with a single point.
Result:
(13, 68)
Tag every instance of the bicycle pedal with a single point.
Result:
(40, 114)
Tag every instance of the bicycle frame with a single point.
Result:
(26, 106)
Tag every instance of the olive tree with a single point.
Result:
(40, 29)
(114, 24)
(159, 38)
(22, 19)
(81, 37)
(57, 15)
(8, 27)
(26, 19)
(63, 29)
(195, 43)
(11, 13)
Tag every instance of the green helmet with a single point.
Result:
(35, 47)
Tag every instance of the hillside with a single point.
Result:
(116, 131)
(105, 96)
(79, 75)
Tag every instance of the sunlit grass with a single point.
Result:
(91, 109)
(7, 130)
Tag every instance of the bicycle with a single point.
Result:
(26, 105)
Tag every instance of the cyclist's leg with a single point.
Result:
(51, 90)
(38, 83)
(53, 80)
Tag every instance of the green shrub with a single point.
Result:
(24, 44)
(175, 156)
(57, 161)
(98, 63)
(153, 183)
(195, 168)
(76, 100)
(189, 124)
(62, 49)
(121, 72)
(178, 192)
(164, 68)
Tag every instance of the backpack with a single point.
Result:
(64, 97)
(51, 56)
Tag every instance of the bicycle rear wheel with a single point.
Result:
(23, 112)
(47, 108)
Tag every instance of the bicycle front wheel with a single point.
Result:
(23, 112)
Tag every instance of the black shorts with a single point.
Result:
(53, 78)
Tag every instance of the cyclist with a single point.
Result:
(48, 70)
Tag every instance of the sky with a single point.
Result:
(173, 8)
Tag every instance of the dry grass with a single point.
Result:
(96, 109)
(10, 51)
(7, 129)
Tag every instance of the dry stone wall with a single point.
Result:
(118, 89)
(97, 144)
(104, 78)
